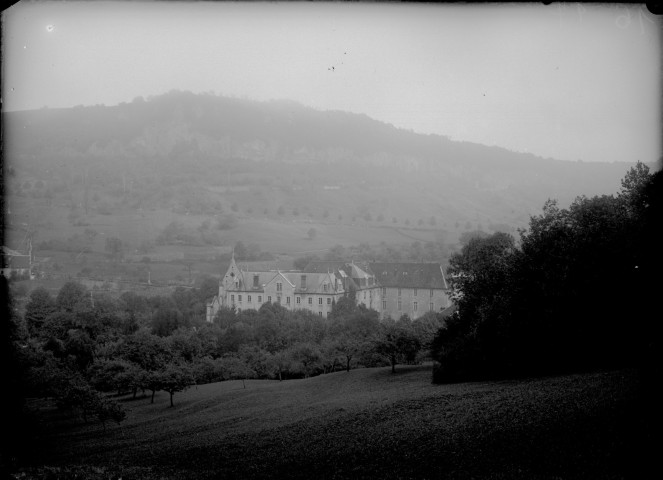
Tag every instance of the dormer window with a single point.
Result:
(256, 281)
(303, 281)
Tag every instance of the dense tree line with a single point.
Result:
(576, 291)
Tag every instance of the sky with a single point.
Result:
(566, 81)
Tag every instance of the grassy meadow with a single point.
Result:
(367, 423)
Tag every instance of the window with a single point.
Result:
(324, 287)
(384, 291)
(287, 300)
(248, 298)
(278, 299)
(400, 306)
(319, 300)
(399, 292)
(432, 306)
(329, 301)
(259, 298)
(269, 298)
(279, 287)
(431, 292)
(303, 279)
(384, 305)
(239, 298)
(415, 306)
(320, 314)
(298, 300)
(310, 300)
(415, 292)
(232, 298)
(256, 281)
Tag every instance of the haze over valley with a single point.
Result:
(286, 179)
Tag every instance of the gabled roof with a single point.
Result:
(352, 269)
(409, 275)
(345, 272)
(246, 279)
(280, 276)
(316, 281)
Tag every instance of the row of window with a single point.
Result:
(415, 291)
(298, 300)
(325, 286)
(239, 310)
(415, 306)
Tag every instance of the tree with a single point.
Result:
(465, 237)
(40, 306)
(426, 327)
(307, 354)
(281, 362)
(237, 369)
(634, 186)
(70, 296)
(511, 301)
(188, 265)
(146, 350)
(240, 250)
(301, 262)
(115, 248)
(349, 347)
(397, 344)
(90, 234)
(166, 320)
(176, 378)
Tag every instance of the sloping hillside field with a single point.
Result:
(366, 423)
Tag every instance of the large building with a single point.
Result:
(411, 288)
(392, 289)
(315, 292)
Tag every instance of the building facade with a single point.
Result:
(392, 289)
(411, 289)
(239, 289)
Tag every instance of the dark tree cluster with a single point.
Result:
(575, 293)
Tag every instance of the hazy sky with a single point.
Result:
(568, 81)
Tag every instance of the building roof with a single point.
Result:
(314, 281)
(351, 273)
(409, 275)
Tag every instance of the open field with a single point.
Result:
(76, 256)
(368, 423)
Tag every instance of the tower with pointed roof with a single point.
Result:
(232, 278)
